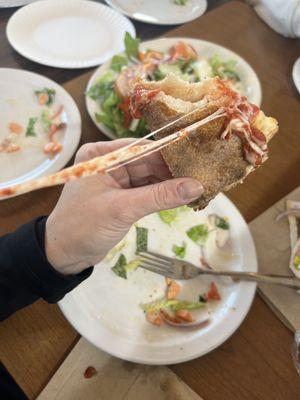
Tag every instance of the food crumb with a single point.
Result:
(89, 372)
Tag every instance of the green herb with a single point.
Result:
(141, 239)
(296, 262)
(168, 216)
(30, 127)
(118, 62)
(224, 69)
(179, 251)
(50, 93)
(46, 120)
(133, 265)
(131, 46)
(180, 2)
(198, 233)
(202, 298)
(186, 305)
(221, 223)
(119, 267)
(174, 305)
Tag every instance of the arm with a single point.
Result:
(25, 273)
(48, 257)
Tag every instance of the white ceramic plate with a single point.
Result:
(250, 82)
(18, 104)
(105, 308)
(68, 33)
(160, 12)
(14, 3)
(296, 74)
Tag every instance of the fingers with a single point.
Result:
(146, 200)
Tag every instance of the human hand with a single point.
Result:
(93, 214)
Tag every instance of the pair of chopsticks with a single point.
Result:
(113, 160)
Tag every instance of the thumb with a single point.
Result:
(160, 196)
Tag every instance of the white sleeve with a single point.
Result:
(281, 15)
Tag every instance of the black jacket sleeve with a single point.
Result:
(25, 273)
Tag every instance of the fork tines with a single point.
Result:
(157, 263)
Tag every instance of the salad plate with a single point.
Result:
(159, 12)
(68, 33)
(112, 309)
(104, 104)
(40, 126)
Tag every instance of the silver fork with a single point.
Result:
(177, 269)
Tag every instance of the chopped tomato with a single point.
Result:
(213, 293)
(151, 56)
(167, 317)
(185, 315)
(52, 148)
(173, 289)
(43, 98)
(13, 148)
(125, 107)
(89, 372)
(154, 318)
(58, 112)
(14, 127)
(55, 128)
(182, 51)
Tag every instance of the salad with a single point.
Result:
(173, 308)
(111, 91)
(42, 127)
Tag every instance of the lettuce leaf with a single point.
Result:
(131, 46)
(198, 234)
(118, 61)
(179, 251)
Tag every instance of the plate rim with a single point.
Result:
(96, 74)
(76, 120)
(295, 79)
(251, 287)
(60, 63)
(181, 21)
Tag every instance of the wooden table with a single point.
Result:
(255, 363)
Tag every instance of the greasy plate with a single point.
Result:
(105, 308)
(18, 103)
(160, 12)
(68, 33)
(250, 82)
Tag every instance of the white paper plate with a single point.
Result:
(296, 74)
(14, 3)
(68, 33)
(105, 308)
(160, 12)
(18, 103)
(250, 81)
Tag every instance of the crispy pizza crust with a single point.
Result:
(218, 164)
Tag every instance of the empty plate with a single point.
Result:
(68, 33)
(166, 12)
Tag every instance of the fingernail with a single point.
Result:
(190, 190)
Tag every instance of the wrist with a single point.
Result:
(58, 251)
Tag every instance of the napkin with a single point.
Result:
(281, 15)
(272, 242)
